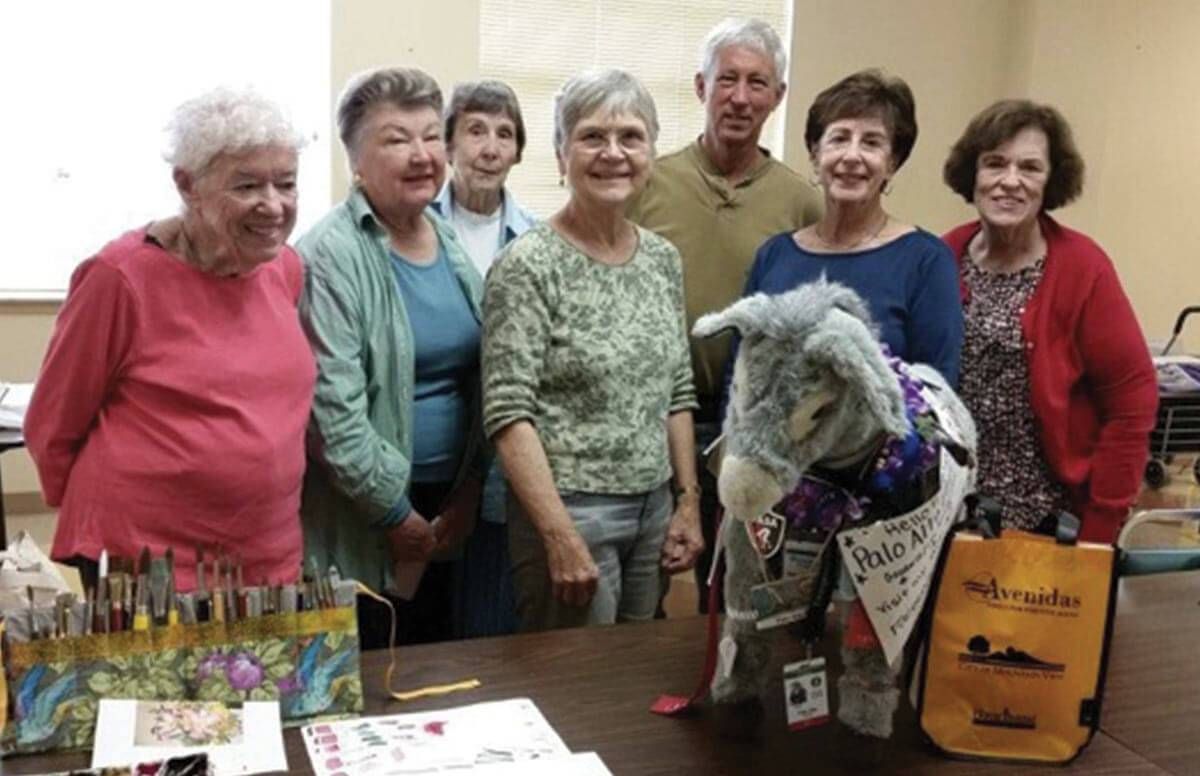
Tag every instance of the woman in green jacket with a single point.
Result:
(392, 310)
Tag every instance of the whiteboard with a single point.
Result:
(88, 90)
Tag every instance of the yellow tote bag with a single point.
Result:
(1017, 646)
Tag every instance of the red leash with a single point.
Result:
(677, 705)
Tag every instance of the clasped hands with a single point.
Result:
(417, 539)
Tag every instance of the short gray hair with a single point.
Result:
(492, 97)
(225, 120)
(750, 33)
(407, 88)
(611, 91)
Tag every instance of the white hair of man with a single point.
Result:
(225, 120)
(601, 91)
(749, 33)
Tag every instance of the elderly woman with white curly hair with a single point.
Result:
(587, 379)
(171, 406)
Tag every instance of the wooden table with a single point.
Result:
(595, 687)
(1152, 700)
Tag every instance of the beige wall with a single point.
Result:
(439, 36)
(1125, 72)
(24, 331)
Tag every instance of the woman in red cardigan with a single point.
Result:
(1054, 366)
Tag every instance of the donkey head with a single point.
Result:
(810, 384)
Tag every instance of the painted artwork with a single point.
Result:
(186, 724)
(456, 740)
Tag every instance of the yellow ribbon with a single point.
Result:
(430, 691)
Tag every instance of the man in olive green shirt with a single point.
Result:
(720, 198)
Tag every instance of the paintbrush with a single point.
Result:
(218, 595)
(230, 595)
(100, 622)
(241, 597)
(172, 604)
(89, 611)
(203, 602)
(116, 597)
(34, 634)
(141, 612)
(158, 591)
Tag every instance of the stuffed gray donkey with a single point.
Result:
(813, 390)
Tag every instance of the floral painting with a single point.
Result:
(186, 724)
(54, 702)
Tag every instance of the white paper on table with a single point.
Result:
(126, 734)
(14, 401)
(449, 740)
(582, 764)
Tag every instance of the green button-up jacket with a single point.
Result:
(360, 433)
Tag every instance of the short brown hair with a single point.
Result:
(867, 93)
(1001, 122)
(405, 88)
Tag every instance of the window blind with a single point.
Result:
(536, 45)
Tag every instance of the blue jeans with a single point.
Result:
(625, 537)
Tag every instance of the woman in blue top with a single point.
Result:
(859, 133)
(392, 310)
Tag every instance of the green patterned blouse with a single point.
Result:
(594, 355)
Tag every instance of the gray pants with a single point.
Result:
(625, 536)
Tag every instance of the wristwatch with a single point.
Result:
(689, 490)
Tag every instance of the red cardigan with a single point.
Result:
(1092, 385)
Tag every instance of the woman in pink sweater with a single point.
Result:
(1054, 367)
(171, 406)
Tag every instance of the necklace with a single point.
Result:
(858, 243)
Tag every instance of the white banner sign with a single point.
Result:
(892, 561)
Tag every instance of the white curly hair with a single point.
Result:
(225, 120)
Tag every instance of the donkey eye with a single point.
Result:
(822, 412)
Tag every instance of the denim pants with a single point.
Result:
(625, 537)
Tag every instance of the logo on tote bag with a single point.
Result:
(1004, 718)
(980, 653)
(984, 588)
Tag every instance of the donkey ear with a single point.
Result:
(744, 316)
(851, 351)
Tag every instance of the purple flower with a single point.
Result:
(213, 661)
(244, 671)
(289, 684)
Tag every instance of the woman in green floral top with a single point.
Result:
(587, 379)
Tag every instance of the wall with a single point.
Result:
(439, 36)
(1126, 74)
(24, 331)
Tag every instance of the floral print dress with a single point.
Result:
(995, 387)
